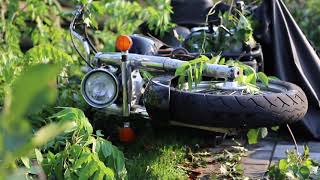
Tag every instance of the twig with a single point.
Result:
(211, 11)
(293, 138)
(230, 9)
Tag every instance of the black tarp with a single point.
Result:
(289, 56)
(287, 52)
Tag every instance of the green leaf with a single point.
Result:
(273, 78)
(190, 79)
(106, 170)
(34, 82)
(222, 61)
(308, 163)
(45, 53)
(215, 59)
(253, 136)
(76, 115)
(38, 155)
(98, 7)
(263, 78)
(251, 79)
(87, 21)
(304, 171)
(106, 148)
(50, 131)
(90, 140)
(85, 157)
(146, 74)
(33, 89)
(99, 175)
(26, 162)
(275, 128)
(248, 69)
(181, 71)
(283, 165)
(306, 152)
(88, 170)
(117, 163)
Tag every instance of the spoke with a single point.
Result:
(233, 92)
(211, 88)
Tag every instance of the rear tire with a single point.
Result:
(283, 103)
(288, 105)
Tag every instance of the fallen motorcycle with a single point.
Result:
(114, 84)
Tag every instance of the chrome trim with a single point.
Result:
(125, 99)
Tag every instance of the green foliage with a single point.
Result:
(125, 17)
(240, 33)
(16, 137)
(37, 26)
(306, 13)
(249, 77)
(231, 167)
(296, 166)
(157, 157)
(78, 153)
(193, 69)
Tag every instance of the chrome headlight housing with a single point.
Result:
(99, 88)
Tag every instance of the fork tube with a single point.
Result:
(124, 77)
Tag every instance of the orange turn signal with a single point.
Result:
(123, 43)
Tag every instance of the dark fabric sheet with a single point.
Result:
(289, 56)
(190, 12)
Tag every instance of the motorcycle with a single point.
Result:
(114, 84)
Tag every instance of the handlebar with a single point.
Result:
(137, 61)
(87, 44)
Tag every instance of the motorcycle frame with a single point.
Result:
(139, 62)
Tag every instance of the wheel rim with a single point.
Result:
(212, 87)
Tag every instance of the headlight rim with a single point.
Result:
(85, 96)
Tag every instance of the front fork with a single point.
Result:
(125, 81)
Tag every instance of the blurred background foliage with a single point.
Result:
(307, 15)
(305, 12)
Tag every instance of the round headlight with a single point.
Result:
(99, 88)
